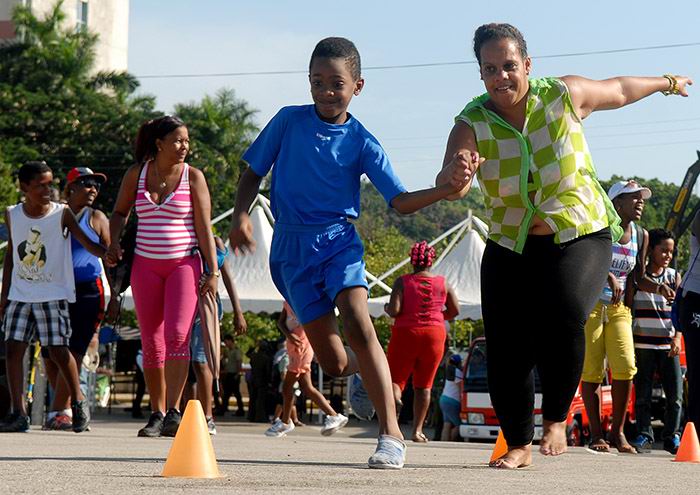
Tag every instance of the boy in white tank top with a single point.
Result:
(37, 285)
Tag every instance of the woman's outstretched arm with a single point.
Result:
(588, 95)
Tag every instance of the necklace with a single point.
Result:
(161, 182)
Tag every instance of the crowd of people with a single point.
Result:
(553, 230)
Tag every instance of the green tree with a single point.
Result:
(8, 191)
(221, 129)
(53, 106)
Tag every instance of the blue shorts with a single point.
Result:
(311, 264)
(450, 410)
(197, 354)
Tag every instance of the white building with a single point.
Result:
(107, 18)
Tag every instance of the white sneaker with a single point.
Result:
(390, 453)
(279, 429)
(332, 424)
(358, 398)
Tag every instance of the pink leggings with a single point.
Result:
(165, 296)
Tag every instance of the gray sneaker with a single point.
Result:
(15, 423)
(279, 429)
(390, 453)
(81, 415)
(211, 426)
(332, 424)
(358, 398)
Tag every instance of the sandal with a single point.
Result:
(420, 438)
(623, 446)
(599, 445)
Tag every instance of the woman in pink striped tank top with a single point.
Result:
(173, 206)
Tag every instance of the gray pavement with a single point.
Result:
(111, 459)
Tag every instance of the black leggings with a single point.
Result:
(535, 306)
(690, 325)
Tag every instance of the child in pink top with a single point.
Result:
(299, 370)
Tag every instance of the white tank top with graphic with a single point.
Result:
(42, 260)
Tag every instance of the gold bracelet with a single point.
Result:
(672, 85)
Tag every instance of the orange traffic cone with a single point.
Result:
(501, 447)
(192, 455)
(689, 451)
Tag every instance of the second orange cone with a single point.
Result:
(501, 447)
(192, 454)
(689, 451)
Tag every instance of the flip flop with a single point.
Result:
(420, 438)
(624, 450)
(599, 446)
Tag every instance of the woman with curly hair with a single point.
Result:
(551, 226)
(420, 303)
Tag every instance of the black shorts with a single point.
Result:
(86, 314)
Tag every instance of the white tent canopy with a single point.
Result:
(462, 271)
(251, 273)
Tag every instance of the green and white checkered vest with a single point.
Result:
(553, 150)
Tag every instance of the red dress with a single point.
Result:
(418, 334)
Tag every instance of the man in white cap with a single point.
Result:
(608, 331)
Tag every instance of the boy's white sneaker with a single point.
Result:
(390, 453)
(279, 429)
(332, 424)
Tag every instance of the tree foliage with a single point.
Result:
(53, 107)
(221, 128)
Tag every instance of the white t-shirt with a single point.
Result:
(453, 388)
(42, 261)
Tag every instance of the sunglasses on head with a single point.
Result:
(89, 182)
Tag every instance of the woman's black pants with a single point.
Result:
(535, 306)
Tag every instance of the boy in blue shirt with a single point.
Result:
(319, 153)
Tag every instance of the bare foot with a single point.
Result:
(619, 441)
(516, 457)
(419, 437)
(553, 438)
(599, 445)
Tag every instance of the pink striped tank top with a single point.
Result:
(165, 230)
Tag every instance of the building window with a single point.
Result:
(82, 16)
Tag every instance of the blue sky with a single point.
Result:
(411, 111)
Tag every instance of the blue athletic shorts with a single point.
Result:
(450, 410)
(197, 353)
(311, 264)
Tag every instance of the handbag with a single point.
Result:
(120, 275)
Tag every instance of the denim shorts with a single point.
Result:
(197, 354)
(450, 410)
(311, 264)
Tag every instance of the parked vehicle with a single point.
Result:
(479, 421)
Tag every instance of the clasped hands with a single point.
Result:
(463, 165)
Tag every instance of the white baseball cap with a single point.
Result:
(628, 186)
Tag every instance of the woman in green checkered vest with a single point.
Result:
(551, 227)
